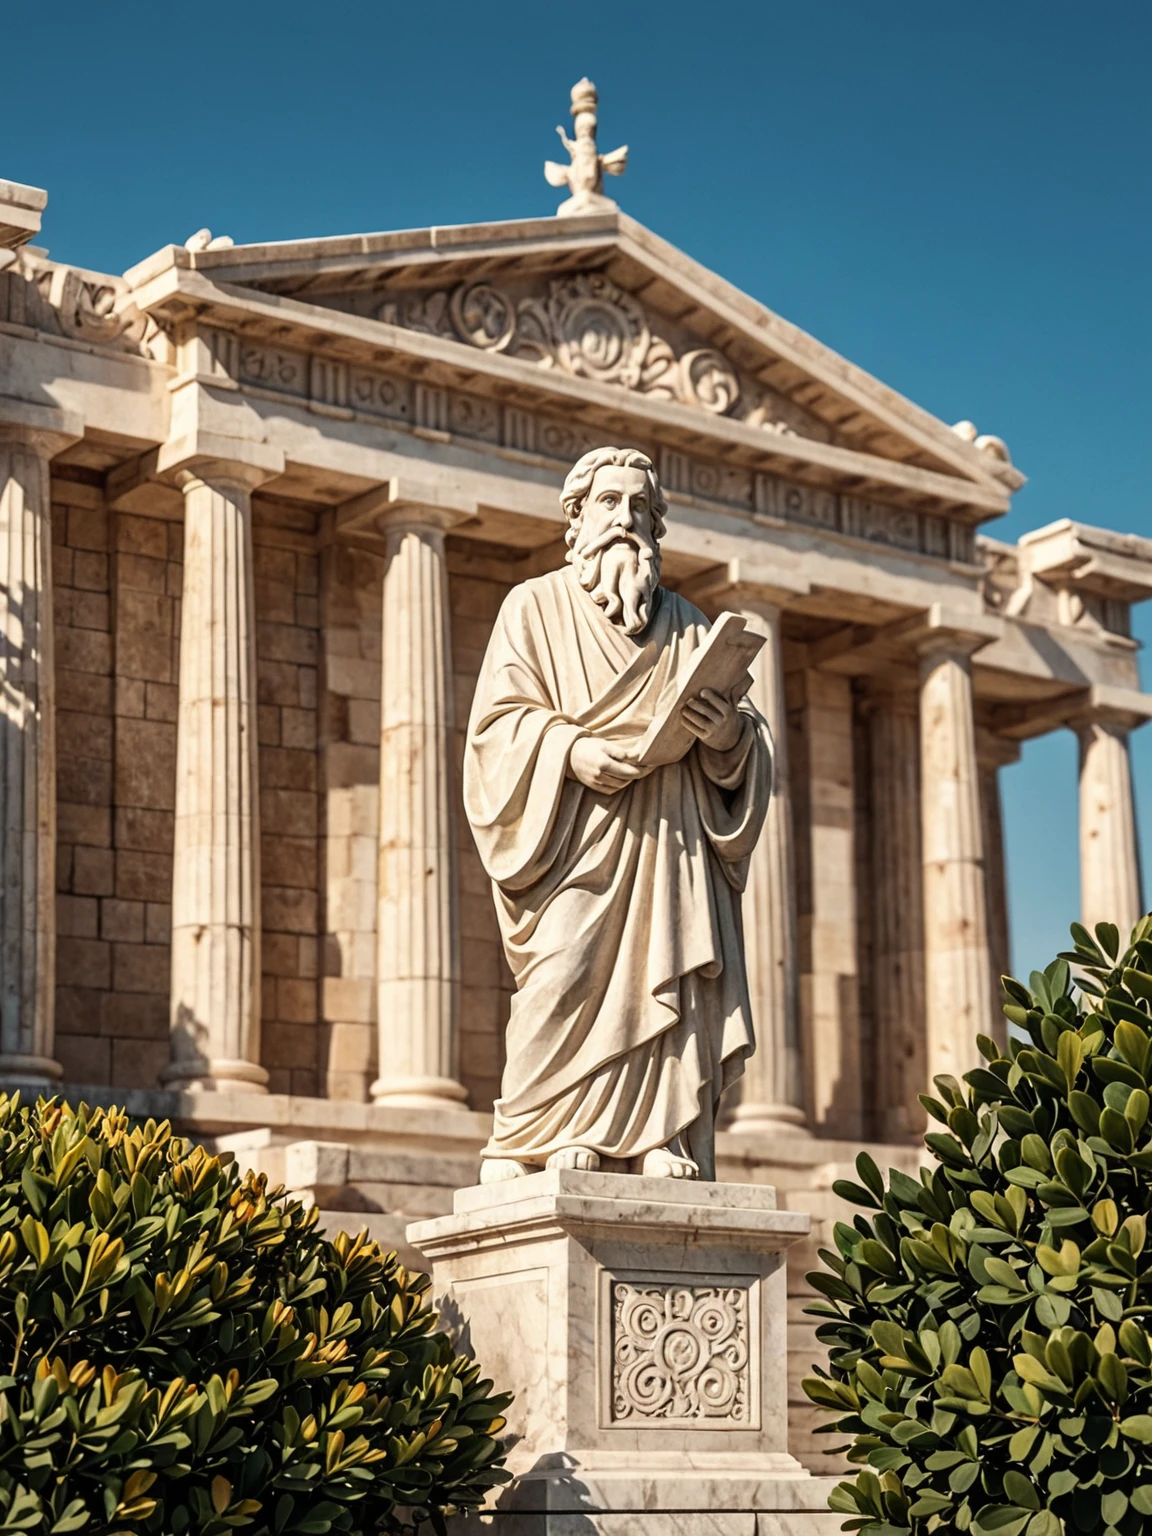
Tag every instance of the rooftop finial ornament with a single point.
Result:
(584, 178)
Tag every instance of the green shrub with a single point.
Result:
(990, 1323)
(181, 1351)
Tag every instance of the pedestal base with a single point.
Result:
(641, 1324)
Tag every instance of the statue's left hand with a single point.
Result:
(713, 719)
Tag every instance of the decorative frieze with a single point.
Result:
(680, 1353)
(332, 387)
(276, 368)
(380, 394)
(796, 503)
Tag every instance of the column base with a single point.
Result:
(768, 1120)
(418, 1092)
(30, 1074)
(220, 1076)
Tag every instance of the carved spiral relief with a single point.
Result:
(483, 315)
(680, 1352)
(708, 381)
(599, 332)
(585, 325)
(66, 301)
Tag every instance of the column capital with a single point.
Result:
(993, 751)
(45, 430)
(403, 502)
(745, 584)
(1124, 708)
(946, 631)
(199, 457)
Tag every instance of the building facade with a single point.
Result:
(258, 509)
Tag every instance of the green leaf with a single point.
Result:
(1022, 1442)
(1109, 936)
(999, 1520)
(1020, 1490)
(1002, 1273)
(1138, 1427)
(1139, 983)
(35, 1240)
(870, 1175)
(854, 1194)
(1045, 1524)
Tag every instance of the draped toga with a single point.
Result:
(620, 913)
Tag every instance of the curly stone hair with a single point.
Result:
(579, 479)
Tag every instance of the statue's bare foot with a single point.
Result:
(662, 1163)
(581, 1158)
(494, 1170)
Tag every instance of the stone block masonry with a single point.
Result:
(117, 616)
(118, 581)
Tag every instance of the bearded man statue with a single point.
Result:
(617, 886)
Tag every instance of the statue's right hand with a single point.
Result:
(602, 765)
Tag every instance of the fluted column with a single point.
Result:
(771, 1091)
(958, 988)
(1109, 856)
(418, 969)
(897, 913)
(992, 754)
(215, 998)
(27, 762)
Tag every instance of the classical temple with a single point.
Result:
(258, 508)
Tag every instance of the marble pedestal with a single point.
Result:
(641, 1324)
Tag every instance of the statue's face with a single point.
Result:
(618, 508)
(615, 553)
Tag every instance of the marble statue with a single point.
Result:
(617, 885)
(584, 177)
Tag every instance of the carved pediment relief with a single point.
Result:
(583, 324)
(60, 300)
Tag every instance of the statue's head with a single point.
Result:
(615, 510)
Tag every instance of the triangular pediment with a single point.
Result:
(603, 299)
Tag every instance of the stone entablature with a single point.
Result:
(342, 390)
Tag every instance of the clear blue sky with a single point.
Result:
(955, 197)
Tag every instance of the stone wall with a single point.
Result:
(117, 579)
(117, 600)
(287, 581)
(476, 593)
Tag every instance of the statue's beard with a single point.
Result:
(619, 573)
